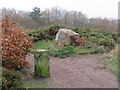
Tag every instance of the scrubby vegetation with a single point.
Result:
(98, 41)
(112, 62)
(11, 79)
(46, 33)
(61, 52)
(16, 44)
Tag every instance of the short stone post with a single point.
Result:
(41, 59)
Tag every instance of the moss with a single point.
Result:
(42, 68)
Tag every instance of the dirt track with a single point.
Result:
(79, 72)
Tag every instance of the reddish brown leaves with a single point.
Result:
(15, 45)
(80, 41)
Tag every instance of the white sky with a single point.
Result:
(92, 8)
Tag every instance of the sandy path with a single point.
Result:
(78, 72)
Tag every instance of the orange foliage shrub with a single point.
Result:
(15, 45)
(80, 41)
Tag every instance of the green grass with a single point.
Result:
(46, 44)
(82, 50)
(112, 65)
(62, 52)
(40, 84)
(112, 62)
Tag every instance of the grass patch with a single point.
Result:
(82, 50)
(37, 84)
(112, 65)
(62, 52)
(45, 44)
(41, 84)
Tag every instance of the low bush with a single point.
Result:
(46, 33)
(112, 62)
(112, 65)
(99, 41)
(62, 52)
(11, 79)
(99, 49)
(115, 36)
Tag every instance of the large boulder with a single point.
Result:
(66, 37)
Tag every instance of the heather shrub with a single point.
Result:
(46, 33)
(62, 52)
(11, 79)
(115, 36)
(15, 45)
(99, 41)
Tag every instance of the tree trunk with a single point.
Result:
(42, 68)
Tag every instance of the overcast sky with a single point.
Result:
(92, 8)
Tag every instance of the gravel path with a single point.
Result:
(84, 71)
